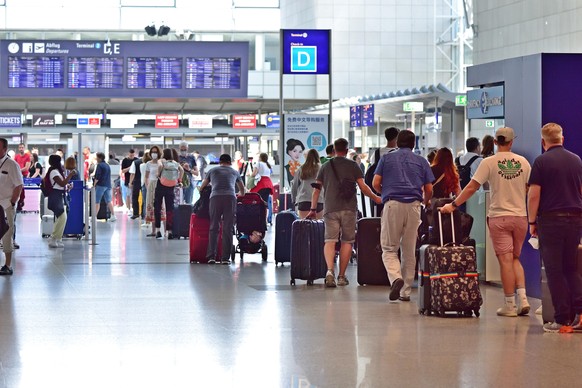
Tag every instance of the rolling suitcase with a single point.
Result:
(283, 225)
(181, 221)
(454, 281)
(199, 235)
(371, 270)
(307, 260)
(47, 225)
(433, 217)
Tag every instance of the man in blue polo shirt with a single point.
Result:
(555, 215)
(405, 180)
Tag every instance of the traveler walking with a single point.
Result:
(23, 160)
(302, 189)
(264, 186)
(507, 174)
(222, 206)
(169, 173)
(135, 185)
(11, 184)
(338, 179)
(446, 176)
(151, 176)
(103, 185)
(56, 199)
(405, 181)
(188, 163)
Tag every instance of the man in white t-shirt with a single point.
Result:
(507, 174)
(391, 133)
(11, 185)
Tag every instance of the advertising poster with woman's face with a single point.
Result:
(303, 132)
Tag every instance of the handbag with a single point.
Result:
(3, 223)
(347, 188)
(252, 181)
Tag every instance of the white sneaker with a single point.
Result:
(145, 225)
(60, 244)
(523, 306)
(112, 218)
(507, 311)
(54, 244)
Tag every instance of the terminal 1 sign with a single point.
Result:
(306, 51)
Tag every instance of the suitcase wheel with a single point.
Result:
(477, 313)
(310, 282)
(292, 282)
(264, 252)
(421, 311)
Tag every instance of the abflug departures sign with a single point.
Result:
(306, 51)
(123, 69)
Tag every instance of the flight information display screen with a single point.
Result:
(95, 73)
(154, 73)
(123, 69)
(213, 73)
(36, 72)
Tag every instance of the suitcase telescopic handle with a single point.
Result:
(441, 227)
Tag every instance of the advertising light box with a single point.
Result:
(119, 69)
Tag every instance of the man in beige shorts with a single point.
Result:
(507, 174)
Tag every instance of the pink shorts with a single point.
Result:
(507, 234)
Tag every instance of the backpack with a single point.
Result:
(464, 170)
(369, 176)
(170, 174)
(46, 186)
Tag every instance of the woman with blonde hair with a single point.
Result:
(301, 189)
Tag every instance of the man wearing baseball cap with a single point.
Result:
(507, 174)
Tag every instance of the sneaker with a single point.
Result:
(330, 280)
(342, 281)
(134, 217)
(54, 244)
(159, 236)
(577, 323)
(112, 219)
(211, 261)
(15, 245)
(507, 311)
(404, 298)
(60, 244)
(145, 225)
(225, 261)
(170, 236)
(555, 327)
(395, 289)
(523, 307)
(6, 270)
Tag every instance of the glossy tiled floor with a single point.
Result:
(132, 312)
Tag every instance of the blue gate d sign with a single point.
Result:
(304, 59)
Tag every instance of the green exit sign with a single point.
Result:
(413, 106)
(490, 123)
(461, 100)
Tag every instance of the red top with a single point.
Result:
(22, 160)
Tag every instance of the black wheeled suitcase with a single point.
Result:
(454, 280)
(424, 306)
(283, 225)
(307, 260)
(181, 221)
(371, 270)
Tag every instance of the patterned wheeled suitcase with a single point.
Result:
(371, 269)
(454, 280)
(307, 260)
(283, 225)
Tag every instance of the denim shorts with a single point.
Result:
(341, 223)
(102, 192)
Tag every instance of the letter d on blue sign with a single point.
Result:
(304, 59)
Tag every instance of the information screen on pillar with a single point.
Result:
(121, 69)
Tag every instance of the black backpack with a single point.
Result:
(202, 206)
(369, 176)
(465, 170)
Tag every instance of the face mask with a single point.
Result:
(154, 156)
(184, 153)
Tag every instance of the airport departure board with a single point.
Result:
(36, 72)
(122, 69)
(213, 73)
(95, 73)
(154, 73)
